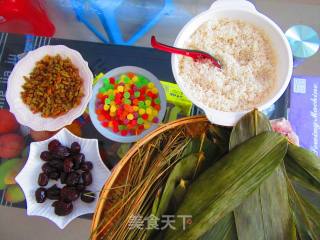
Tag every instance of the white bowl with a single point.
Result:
(115, 73)
(24, 67)
(28, 178)
(245, 11)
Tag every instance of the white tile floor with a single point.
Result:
(14, 225)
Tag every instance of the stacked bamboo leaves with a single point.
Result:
(139, 181)
(241, 185)
(270, 199)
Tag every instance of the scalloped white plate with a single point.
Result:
(28, 178)
(24, 68)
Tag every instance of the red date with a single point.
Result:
(68, 165)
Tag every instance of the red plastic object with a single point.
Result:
(26, 17)
(195, 55)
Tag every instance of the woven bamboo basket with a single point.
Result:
(112, 191)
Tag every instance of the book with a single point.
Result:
(304, 111)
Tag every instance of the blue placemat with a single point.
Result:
(101, 58)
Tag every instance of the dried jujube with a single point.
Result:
(80, 187)
(63, 177)
(41, 195)
(61, 152)
(78, 159)
(75, 147)
(69, 194)
(86, 166)
(53, 144)
(62, 208)
(56, 163)
(68, 165)
(86, 178)
(53, 192)
(73, 179)
(88, 196)
(43, 179)
(54, 175)
(45, 156)
(47, 168)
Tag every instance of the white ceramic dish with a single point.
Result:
(24, 68)
(245, 11)
(115, 73)
(28, 178)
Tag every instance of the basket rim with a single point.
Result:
(121, 164)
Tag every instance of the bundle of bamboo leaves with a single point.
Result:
(243, 183)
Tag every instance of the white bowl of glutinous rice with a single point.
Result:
(255, 56)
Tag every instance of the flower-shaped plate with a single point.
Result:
(28, 178)
(24, 67)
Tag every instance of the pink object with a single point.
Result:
(155, 120)
(283, 127)
(25, 17)
(194, 54)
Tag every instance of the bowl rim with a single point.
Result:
(217, 116)
(68, 119)
(115, 72)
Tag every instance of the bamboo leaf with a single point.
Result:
(297, 173)
(183, 169)
(249, 126)
(266, 213)
(188, 168)
(219, 136)
(313, 215)
(305, 216)
(225, 229)
(156, 202)
(227, 183)
(305, 159)
(179, 193)
(192, 147)
(213, 153)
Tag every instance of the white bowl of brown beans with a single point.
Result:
(49, 88)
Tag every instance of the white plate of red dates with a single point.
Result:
(63, 177)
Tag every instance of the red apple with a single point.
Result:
(8, 122)
(11, 145)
